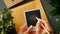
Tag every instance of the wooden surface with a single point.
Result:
(18, 12)
(10, 3)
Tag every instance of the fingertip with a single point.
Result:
(31, 26)
(23, 27)
(38, 22)
(29, 29)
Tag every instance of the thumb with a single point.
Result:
(22, 29)
(28, 30)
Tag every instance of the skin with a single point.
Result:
(39, 28)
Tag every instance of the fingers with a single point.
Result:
(23, 28)
(47, 25)
(44, 32)
(38, 27)
(28, 30)
(45, 29)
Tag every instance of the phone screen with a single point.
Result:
(31, 17)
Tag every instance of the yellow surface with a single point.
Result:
(10, 3)
(18, 12)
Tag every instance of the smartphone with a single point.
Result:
(30, 16)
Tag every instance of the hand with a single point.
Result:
(25, 30)
(40, 29)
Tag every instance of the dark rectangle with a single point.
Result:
(31, 17)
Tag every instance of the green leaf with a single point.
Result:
(53, 12)
(6, 21)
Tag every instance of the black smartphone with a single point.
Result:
(30, 16)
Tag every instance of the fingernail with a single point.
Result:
(31, 26)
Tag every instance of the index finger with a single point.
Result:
(47, 25)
